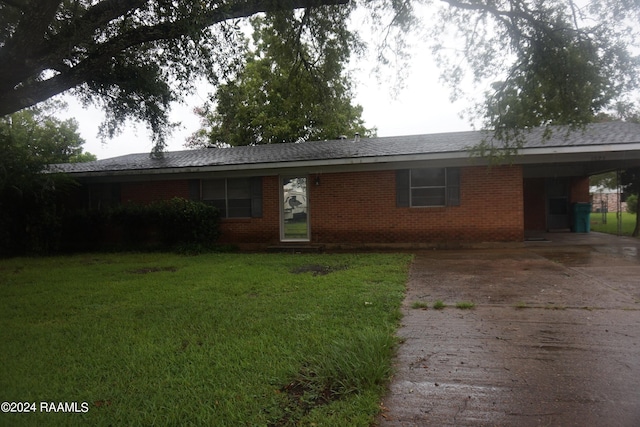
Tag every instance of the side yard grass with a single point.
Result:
(611, 226)
(216, 339)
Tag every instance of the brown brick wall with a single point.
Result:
(579, 190)
(360, 208)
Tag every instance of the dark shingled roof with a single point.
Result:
(612, 133)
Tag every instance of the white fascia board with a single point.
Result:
(616, 153)
(581, 149)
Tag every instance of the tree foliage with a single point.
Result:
(630, 180)
(632, 207)
(604, 180)
(131, 56)
(556, 62)
(292, 88)
(551, 61)
(29, 141)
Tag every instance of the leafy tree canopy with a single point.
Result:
(134, 57)
(552, 61)
(604, 180)
(292, 87)
(46, 138)
(29, 141)
(555, 62)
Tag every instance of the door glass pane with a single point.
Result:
(295, 225)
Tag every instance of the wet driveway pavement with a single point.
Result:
(553, 339)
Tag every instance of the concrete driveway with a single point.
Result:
(553, 340)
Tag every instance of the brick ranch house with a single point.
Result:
(419, 191)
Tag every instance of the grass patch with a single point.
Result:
(521, 304)
(465, 305)
(423, 305)
(439, 305)
(215, 339)
(555, 307)
(611, 227)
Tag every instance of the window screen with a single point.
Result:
(234, 197)
(428, 187)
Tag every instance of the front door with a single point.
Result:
(294, 209)
(557, 204)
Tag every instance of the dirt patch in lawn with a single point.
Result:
(300, 400)
(147, 270)
(317, 269)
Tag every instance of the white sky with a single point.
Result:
(423, 106)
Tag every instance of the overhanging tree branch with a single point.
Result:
(20, 73)
(18, 4)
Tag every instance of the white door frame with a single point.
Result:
(287, 212)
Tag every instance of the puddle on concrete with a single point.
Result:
(629, 253)
(570, 259)
(463, 389)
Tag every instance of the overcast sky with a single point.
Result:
(423, 106)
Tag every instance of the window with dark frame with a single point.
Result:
(232, 196)
(428, 187)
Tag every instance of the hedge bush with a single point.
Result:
(168, 224)
(184, 222)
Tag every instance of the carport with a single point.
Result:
(556, 176)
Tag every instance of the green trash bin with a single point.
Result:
(581, 217)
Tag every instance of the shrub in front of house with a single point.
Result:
(85, 230)
(184, 223)
(168, 224)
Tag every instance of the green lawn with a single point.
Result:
(611, 227)
(216, 339)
